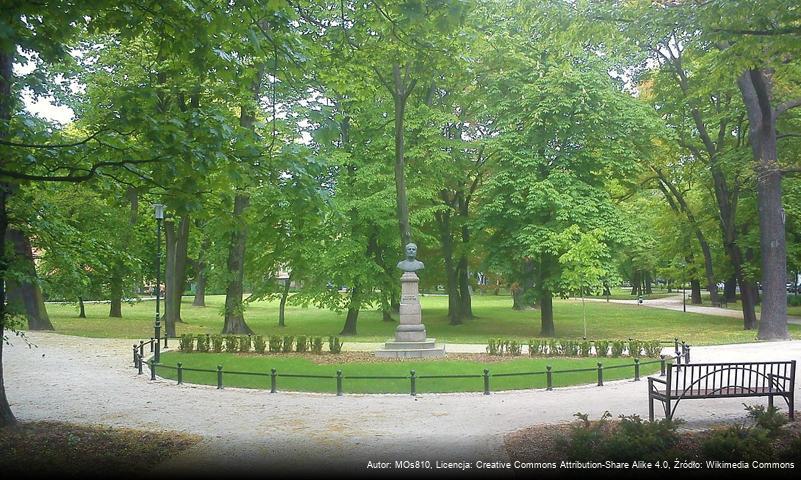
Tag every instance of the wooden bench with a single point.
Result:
(723, 380)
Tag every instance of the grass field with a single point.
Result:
(495, 318)
(298, 365)
(737, 305)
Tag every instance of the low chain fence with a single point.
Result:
(680, 355)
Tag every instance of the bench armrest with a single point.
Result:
(658, 380)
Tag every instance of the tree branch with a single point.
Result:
(783, 107)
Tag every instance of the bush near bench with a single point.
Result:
(244, 344)
(576, 348)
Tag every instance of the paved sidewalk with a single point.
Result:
(249, 430)
(676, 303)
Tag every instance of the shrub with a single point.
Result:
(203, 343)
(570, 348)
(536, 347)
(317, 345)
(618, 346)
(736, 443)
(768, 418)
(286, 345)
(635, 348)
(217, 343)
(186, 342)
(301, 345)
(584, 348)
(555, 348)
(244, 343)
(794, 300)
(492, 347)
(792, 452)
(515, 348)
(259, 345)
(601, 348)
(335, 344)
(653, 348)
(231, 344)
(275, 343)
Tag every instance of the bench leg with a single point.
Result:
(650, 408)
(770, 402)
(792, 407)
(668, 413)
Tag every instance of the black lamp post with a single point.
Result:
(159, 214)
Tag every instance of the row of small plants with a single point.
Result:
(633, 439)
(257, 343)
(576, 348)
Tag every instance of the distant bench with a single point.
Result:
(723, 380)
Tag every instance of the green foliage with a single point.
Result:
(317, 345)
(301, 344)
(652, 348)
(275, 343)
(627, 440)
(602, 348)
(217, 343)
(618, 347)
(736, 443)
(186, 343)
(537, 347)
(794, 300)
(334, 344)
(286, 344)
(494, 347)
(515, 348)
(635, 348)
(259, 344)
(203, 343)
(770, 418)
(244, 343)
(231, 344)
(584, 348)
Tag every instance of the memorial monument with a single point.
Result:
(410, 336)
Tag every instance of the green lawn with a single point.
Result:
(619, 293)
(297, 365)
(495, 319)
(737, 305)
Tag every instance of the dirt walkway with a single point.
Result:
(247, 429)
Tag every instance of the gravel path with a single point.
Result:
(248, 429)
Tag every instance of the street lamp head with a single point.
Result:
(159, 211)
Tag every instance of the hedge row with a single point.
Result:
(257, 344)
(576, 348)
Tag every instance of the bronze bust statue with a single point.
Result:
(411, 264)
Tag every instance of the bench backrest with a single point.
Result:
(708, 378)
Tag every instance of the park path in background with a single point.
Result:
(676, 303)
(92, 381)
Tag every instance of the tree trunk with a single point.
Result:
(26, 296)
(755, 86)
(636, 283)
(730, 288)
(648, 282)
(400, 93)
(695, 289)
(451, 280)
(115, 293)
(234, 309)
(200, 279)
(6, 415)
(463, 268)
(522, 291)
(81, 308)
(546, 314)
(354, 305)
(175, 272)
(282, 305)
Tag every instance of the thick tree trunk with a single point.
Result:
(400, 93)
(755, 86)
(546, 314)
(451, 280)
(175, 272)
(6, 415)
(200, 279)
(730, 289)
(349, 328)
(464, 289)
(695, 292)
(115, 283)
(282, 305)
(648, 283)
(522, 291)
(234, 322)
(81, 308)
(26, 296)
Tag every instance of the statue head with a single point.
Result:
(411, 250)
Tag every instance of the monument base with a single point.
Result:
(420, 349)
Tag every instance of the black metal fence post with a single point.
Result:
(141, 348)
(152, 369)
(139, 363)
(339, 383)
(661, 365)
(180, 371)
(600, 374)
(272, 380)
(151, 344)
(219, 377)
(413, 383)
(165, 340)
(636, 369)
(486, 382)
(676, 345)
(549, 377)
(678, 363)
(134, 355)
(687, 354)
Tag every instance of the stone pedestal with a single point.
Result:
(410, 336)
